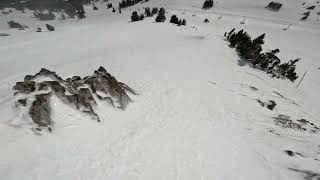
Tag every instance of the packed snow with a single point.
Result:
(196, 115)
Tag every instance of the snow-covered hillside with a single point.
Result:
(196, 115)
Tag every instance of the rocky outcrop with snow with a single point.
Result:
(36, 90)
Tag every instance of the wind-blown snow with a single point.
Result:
(196, 116)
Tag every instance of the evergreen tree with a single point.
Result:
(141, 17)
(174, 19)
(161, 15)
(259, 40)
(154, 10)
(147, 12)
(135, 16)
(208, 4)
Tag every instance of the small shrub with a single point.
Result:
(81, 13)
(272, 104)
(206, 20)
(49, 27)
(13, 24)
(141, 17)
(39, 29)
(274, 6)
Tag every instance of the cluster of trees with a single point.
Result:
(251, 50)
(136, 17)
(274, 6)
(161, 15)
(149, 13)
(175, 20)
(127, 3)
(207, 4)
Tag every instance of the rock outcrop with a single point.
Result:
(80, 93)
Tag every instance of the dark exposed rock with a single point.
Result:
(22, 102)
(80, 93)
(24, 87)
(40, 110)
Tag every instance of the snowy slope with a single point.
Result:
(196, 116)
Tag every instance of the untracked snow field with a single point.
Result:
(196, 116)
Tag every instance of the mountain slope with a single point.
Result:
(196, 116)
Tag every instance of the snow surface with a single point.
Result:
(196, 116)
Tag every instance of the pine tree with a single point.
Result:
(259, 40)
(161, 15)
(141, 17)
(154, 10)
(147, 12)
(135, 16)
(174, 19)
(208, 4)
